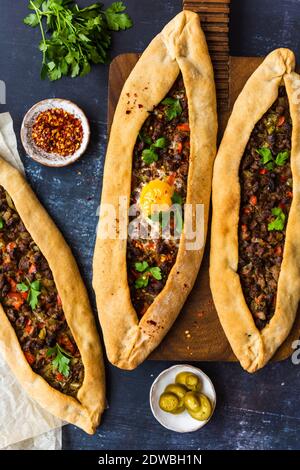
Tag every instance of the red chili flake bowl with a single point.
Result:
(39, 154)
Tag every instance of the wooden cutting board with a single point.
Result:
(197, 334)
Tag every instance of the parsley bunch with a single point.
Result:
(77, 37)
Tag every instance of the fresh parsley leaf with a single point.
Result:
(61, 360)
(156, 273)
(33, 290)
(22, 287)
(31, 20)
(1, 222)
(282, 157)
(117, 20)
(268, 160)
(149, 156)
(160, 143)
(35, 285)
(266, 155)
(141, 266)
(177, 198)
(33, 298)
(173, 108)
(279, 222)
(141, 282)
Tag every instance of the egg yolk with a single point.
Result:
(156, 192)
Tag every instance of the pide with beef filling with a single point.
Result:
(255, 248)
(47, 331)
(159, 159)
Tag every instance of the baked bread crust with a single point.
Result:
(252, 347)
(180, 47)
(86, 411)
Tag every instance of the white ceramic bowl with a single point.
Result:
(39, 155)
(182, 422)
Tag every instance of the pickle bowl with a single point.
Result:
(42, 156)
(183, 422)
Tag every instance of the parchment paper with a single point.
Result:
(23, 423)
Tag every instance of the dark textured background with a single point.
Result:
(253, 412)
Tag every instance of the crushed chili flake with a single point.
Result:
(57, 131)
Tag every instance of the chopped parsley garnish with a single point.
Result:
(61, 360)
(266, 157)
(1, 222)
(173, 108)
(150, 155)
(268, 160)
(279, 222)
(143, 267)
(282, 157)
(33, 289)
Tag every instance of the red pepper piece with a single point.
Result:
(32, 269)
(247, 210)
(59, 377)
(10, 247)
(58, 299)
(184, 127)
(29, 328)
(171, 179)
(179, 147)
(30, 357)
(15, 299)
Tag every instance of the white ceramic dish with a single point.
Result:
(39, 155)
(182, 422)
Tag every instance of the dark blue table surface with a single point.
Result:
(253, 412)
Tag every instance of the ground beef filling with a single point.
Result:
(266, 197)
(32, 304)
(168, 120)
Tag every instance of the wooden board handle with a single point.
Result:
(214, 16)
